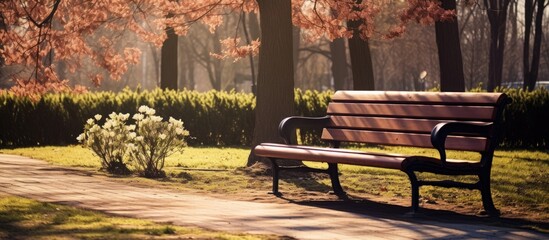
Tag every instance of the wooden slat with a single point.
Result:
(381, 123)
(418, 97)
(330, 155)
(403, 139)
(480, 113)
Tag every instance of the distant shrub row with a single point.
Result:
(213, 118)
(526, 119)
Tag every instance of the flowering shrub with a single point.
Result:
(109, 141)
(155, 140)
(145, 144)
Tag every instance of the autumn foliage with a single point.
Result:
(36, 35)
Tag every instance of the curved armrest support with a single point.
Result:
(441, 131)
(288, 125)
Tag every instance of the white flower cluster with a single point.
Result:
(146, 143)
(156, 139)
(146, 110)
(108, 141)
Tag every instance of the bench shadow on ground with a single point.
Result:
(396, 212)
(307, 181)
(362, 205)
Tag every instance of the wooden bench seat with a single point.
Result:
(457, 121)
(330, 155)
(356, 157)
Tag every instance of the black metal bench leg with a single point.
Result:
(275, 169)
(486, 194)
(415, 191)
(334, 177)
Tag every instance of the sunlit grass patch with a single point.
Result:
(22, 218)
(78, 156)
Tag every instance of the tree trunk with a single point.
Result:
(217, 64)
(186, 62)
(361, 59)
(168, 64)
(61, 69)
(156, 68)
(275, 87)
(296, 43)
(2, 27)
(536, 51)
(255, 33)
(339, 64)
(530, 71)
(497, 16)
(182, 80)
(512, 64)
(250, 56)
(450, 60)
(253, 24)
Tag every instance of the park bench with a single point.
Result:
(456, 121)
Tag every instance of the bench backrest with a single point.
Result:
(407, 118)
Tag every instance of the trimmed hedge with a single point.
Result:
(214, 118)
(526, 119)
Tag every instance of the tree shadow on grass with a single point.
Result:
(525, 159)
(62, 170)
(84, 172)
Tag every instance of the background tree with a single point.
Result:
(443, 15)
(201, 45)
(312, 21)
(497, 16)
(88, 32)
(248, 37)
(26, 44)
(361, 60)
(338, 57)
(531, 65)
(513, 56)
(2, 63)
(169, 63)
(361, 56)
(452, 78)
(186, 65)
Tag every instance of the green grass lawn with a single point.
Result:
(520, 185)
(22, 218)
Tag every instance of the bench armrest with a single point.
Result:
(288, 125)
(441, 131)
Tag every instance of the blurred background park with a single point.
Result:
(407, 62)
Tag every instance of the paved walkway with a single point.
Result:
(38, 180)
